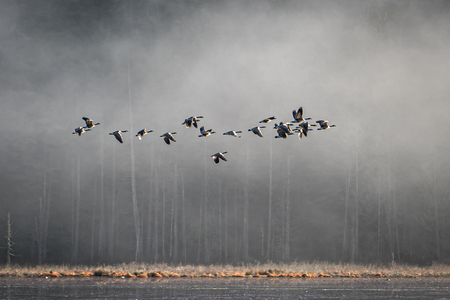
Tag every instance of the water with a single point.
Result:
(224, 288)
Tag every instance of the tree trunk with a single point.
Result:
(226, 229)
(155, 234)
(220, 221)
(9, 242)
(436, 214)
(205, 215)
(379, 245)
(133, 172)
(101, 227)
(269, 223)
(77, 216)
(175, 217)
(287, 251)
(112, 217)
(356, 218)
(246, 205)
(200, 219)
(183, 199)
(163, 221)
(347, 196)
(93, 218)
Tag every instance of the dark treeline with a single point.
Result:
(373, 189)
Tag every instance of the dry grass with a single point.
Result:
(293, 270)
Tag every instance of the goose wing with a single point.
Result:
(166, 139)
(221, 156)
(170, 136)
(88, 121)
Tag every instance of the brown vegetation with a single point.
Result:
(295, 270)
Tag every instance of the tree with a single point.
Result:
(9, 242)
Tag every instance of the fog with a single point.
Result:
(372, 189)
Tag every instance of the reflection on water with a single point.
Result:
(223, 288)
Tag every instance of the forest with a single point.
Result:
(373, 189)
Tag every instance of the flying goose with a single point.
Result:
(89, 122)
(257, 130)
(267, 120)
(284, 126)
(80, 130)
(324, 125)
(298, 116)
(303, 129)
(218, 155)
(281, 134)
(118, 135)
(142, 132)
(192, 121)
(205, 133)
(233, 133)
(168, 136)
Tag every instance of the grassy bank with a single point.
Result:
(297, 270)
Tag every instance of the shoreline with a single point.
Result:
(269, 270)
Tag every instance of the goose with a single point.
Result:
(168, 136)
(285, 127)
(80, 130)
(257, 130)
(192, 121)
(303, 129)
(118, 135)
(233, 133)
(298, 116)
(142, 132)
(267, 120)
(324, 125)
(219, 155)
(89, 122)
(205, 133)
(281, 134)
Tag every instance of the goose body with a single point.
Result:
(324, 125)
(298, 116)
(219, 155)
(267, 120)
(192, 121)
(80, 130)
(205, 133)
(89, 122)
(118, 135)
(257, 130)
(168, 136)
(233, 133)
(142, 132)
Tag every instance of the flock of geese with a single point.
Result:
(283, 130)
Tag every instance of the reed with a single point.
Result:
(271, 270)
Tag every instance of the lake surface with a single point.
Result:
(224, 288)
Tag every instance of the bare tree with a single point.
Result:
(436, 214)
(347, 196)
(77, 216)
(155, 234)
(246, 204)
(9, 242)
(183, 225)
(112, 217)
(101, 227)
(269, 225)
(133, 171)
